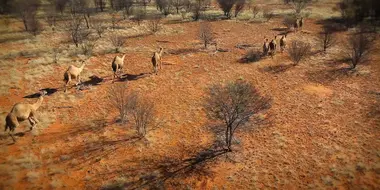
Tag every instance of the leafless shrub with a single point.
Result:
(76, 30)
(100, 5)
(177, 4)
(51, 14)
(251, 56)
(154, 24)
(139, 15)
(198, 6)
(326, 39)
(234, 103)
(299, 5)
(117, 41)
(256, 10)
(27, 10)
(142, 112)
(99, 27)
(268, 14)
(34, 26)
(205, 33)
(164, 6)
(118, 99)
(226, 6)
(87, 47)
(298, 51)
(114, 20)
(239, 6)
(358, 48)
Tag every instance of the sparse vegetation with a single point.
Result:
(255, 10)
(299, 51)
(142, 112)
(154, 24)
(358, 48)
(205, 33)
(234, 103)
(119, 99)
(268, 14)
(117, 41)
(326, 39)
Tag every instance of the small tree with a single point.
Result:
(268, 14)
(142, 112)
(177, 4)
(298, 51)
(34, 26)
(154, 24)
(99, 27)
(255, 10)
(117, 41)
(140, 15)
(27, 10)
(234, 103)
(118, 99)
(358, 48)
(239, 6)
(326, 39)
(76, 30)
(226, 6)
(205, 33)
(299, 5)
(100, 5)
(197, 7)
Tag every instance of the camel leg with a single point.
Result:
(32, 123)
(160, 63)
(78, 80)
(10, 134)
(12, 126)
(67, 82)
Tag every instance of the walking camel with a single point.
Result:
(21, 112)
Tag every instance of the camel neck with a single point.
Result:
(82, 66)
(162, 50)
(38, 103)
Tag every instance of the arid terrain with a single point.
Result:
(321, 132)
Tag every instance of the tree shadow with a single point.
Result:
(49, 91)
(183, 51)
(154, 172)
(276, 69)
(138, 36)
(334, 24)
(328, 75)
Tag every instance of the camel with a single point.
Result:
(283, 43)
(21, 112)
(300, 23)
(273, 45)
(117, 66)
(296, 25)
(73, 72)
(266, 47)
(157, 60)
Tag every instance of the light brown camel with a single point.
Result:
(21, 112)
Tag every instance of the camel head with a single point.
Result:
(43, 92)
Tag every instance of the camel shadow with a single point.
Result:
(94, 80)
(49, 91)
(130, 77)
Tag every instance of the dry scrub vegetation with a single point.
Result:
(306, 117)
